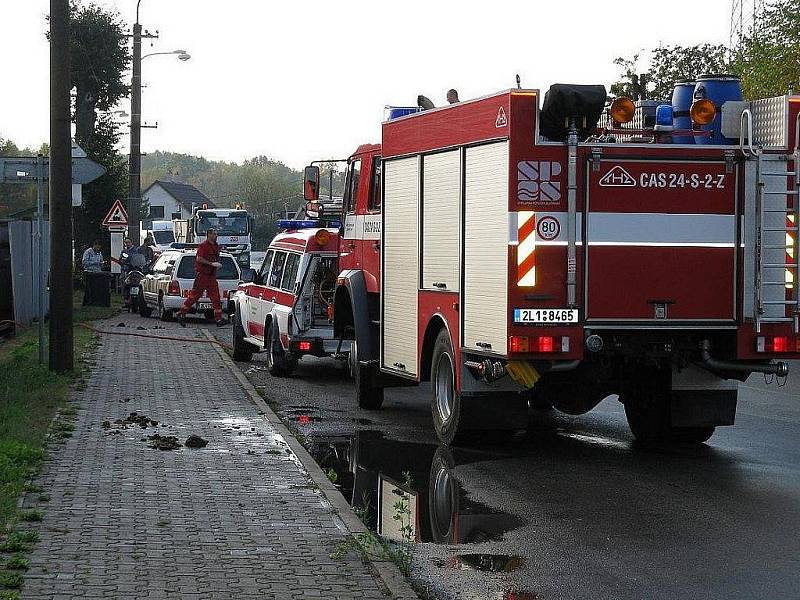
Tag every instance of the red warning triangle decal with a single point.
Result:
(116, 217)
(501, 120)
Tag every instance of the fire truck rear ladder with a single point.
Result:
(790, 208)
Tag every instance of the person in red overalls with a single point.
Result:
(206, 264)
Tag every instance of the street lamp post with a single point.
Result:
(135, 161)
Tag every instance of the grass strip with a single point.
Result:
(30, 396)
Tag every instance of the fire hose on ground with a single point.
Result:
(141, 335)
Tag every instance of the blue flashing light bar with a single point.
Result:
(297, 224)
(307, 223)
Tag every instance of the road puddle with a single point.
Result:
(487, 563)
(373, 472)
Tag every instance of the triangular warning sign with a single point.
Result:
(617, 177)
(501, 120)
(116, 217)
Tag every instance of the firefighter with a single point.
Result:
(206, 264)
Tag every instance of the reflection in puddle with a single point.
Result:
(600, 441)
(490, 563)
(371, 472)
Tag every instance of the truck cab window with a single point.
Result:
(376, 193)
(351, 191)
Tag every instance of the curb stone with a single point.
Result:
(389, 574)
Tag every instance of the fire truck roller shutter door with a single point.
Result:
(441, 227)
(400, 265)
(485, 293)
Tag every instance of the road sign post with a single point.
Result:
(116, 220)
(36, 170)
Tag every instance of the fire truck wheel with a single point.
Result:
(144, 310)
(280, 365)
(443, 497)
(445, 399)
(369, 396)
(242, 350)
(650, 421)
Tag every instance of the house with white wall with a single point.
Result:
(171, 200)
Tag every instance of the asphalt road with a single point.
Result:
(574, 508)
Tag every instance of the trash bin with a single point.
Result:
(97, 289)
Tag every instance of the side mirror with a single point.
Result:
(311, 183)
(248, 275)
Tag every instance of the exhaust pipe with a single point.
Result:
(780, 368)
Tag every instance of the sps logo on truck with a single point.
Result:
(538, 181)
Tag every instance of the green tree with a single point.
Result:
(99, 195)
(669, 64)
(633, 83)
(768, 57)
(99, 57)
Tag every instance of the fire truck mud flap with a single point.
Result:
(701, 399)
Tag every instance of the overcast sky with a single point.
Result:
(300, 80)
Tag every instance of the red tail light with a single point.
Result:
(304, 346)
(519, 343)
(777, 344)
(541, 343)
(174, 288)
(544, 343)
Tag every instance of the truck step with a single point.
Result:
(776, 229)
(783, 302)
(779, 266)
(786, 193)
(783, 174)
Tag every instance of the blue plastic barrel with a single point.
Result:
(719, 89)
(395, 112)
(682, 96)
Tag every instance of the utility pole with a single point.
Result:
(61, 341)
(135, 161)
(135, 167)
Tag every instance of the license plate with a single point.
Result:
(203, 305)
(134, 290)
(546, 315)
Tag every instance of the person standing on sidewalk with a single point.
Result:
(206, 264)
(92, 259)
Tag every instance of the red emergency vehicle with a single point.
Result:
(493, 247)
(286, 309)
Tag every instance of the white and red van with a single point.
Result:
(286, 310)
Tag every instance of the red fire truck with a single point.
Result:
(506, 252)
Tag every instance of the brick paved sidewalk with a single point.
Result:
(237, 519)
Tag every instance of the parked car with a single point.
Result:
(167, 285)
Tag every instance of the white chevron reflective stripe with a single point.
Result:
(526, 248)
